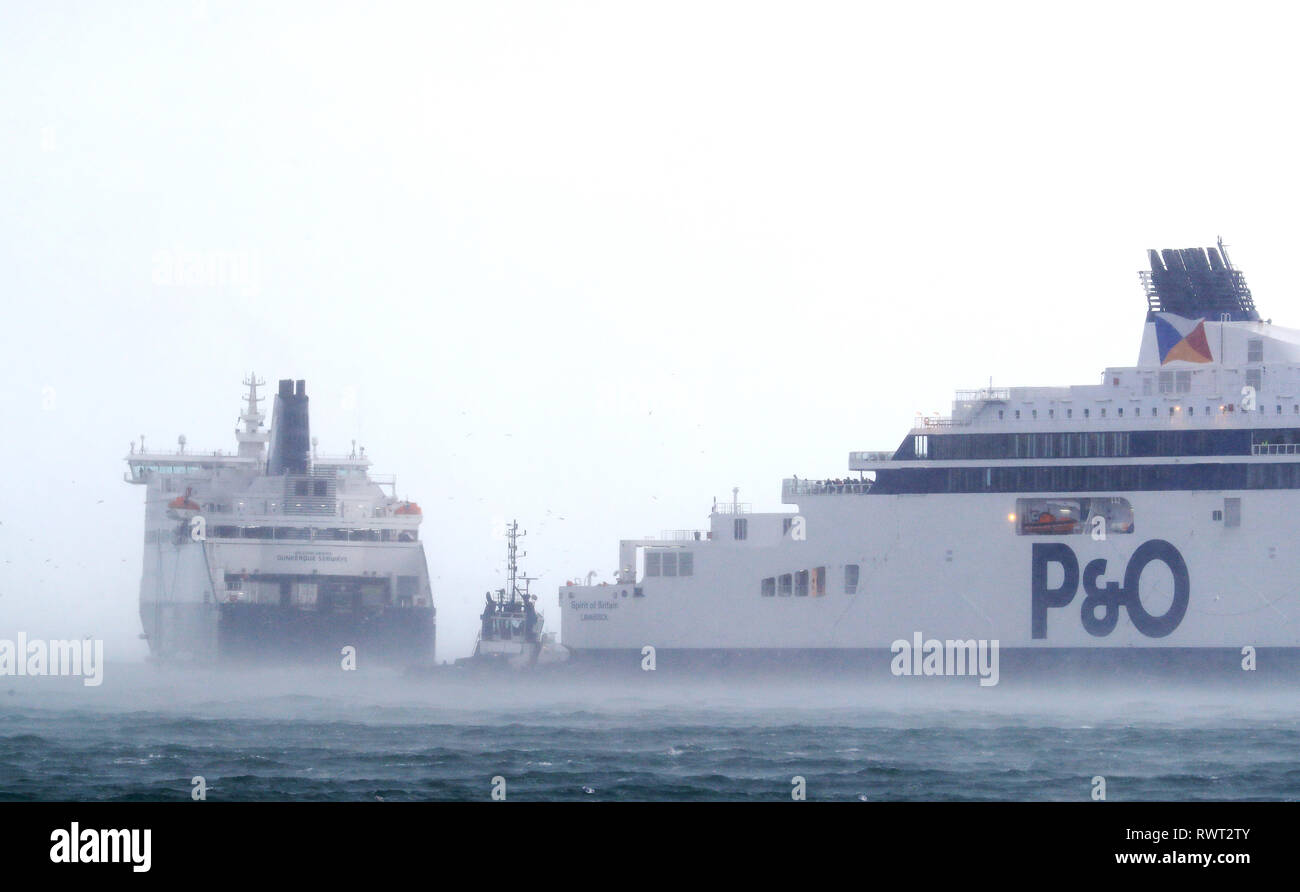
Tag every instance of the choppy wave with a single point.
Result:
(147, 732)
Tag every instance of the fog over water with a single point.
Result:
(147, 733)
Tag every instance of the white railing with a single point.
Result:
(1275, 449)
(328, 459)
(984, 394)
(685, 535)
(731, 508)
(793, 487)
(876, 456)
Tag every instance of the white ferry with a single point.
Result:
(1152, 514)
(279, 554)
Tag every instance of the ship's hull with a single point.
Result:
(215, 601)
(1192, 665)
(953, 568)
(268, 633)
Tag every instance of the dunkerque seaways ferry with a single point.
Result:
(1151, 515)
(279, 554)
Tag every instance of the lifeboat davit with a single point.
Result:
(183, 506)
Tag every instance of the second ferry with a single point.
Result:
(1153, 514)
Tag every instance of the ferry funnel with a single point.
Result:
(290, 431)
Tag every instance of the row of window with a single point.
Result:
(309, 534)
(807, 583)
(1088, 444)
(318, 487)
(1094, 444)
(669, 563)
(1154, 412)
(1064, 478)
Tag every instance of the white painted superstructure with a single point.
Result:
(270, 556)
(1195, 448)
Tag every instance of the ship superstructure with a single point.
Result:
(1155, 510)
(278, 553)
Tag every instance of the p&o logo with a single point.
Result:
(1101, 606)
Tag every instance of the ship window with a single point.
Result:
(850, 579)
(670, 563)
(999, 414)
(1232, 512)
(300, 488)
(787, 585)
(652, 563)
(740, 528)
(318, 488)
(769, 587)
(1103, 413)
(801, 584)
(1255, 350)
(1085, 412)
(1216, 515)
(1069, 413)
(1121, 412)
(1183, 382)
(819, 582)
(1254, 378)
(1166, 382)
(1279, 410)
(686, 564)
(1062, 516)
(1146, 385)
(1051, 413)
(786, 523)
(921, 446)
(1017, 414)
(1034, 412)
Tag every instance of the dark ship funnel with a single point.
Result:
(1197, 283)
(290, 431)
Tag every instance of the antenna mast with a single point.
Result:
(511, 591)
(253, 438)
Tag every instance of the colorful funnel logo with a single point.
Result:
(1181, 339)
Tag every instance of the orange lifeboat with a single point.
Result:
(183, 504)
(1049, 523)
(408, 508)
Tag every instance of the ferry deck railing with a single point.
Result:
(794, 487)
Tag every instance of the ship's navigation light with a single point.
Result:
(1011, 517)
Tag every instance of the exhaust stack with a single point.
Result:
(290, 431)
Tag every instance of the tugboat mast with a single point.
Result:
(512, 592)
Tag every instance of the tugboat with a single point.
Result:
(511, 635)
